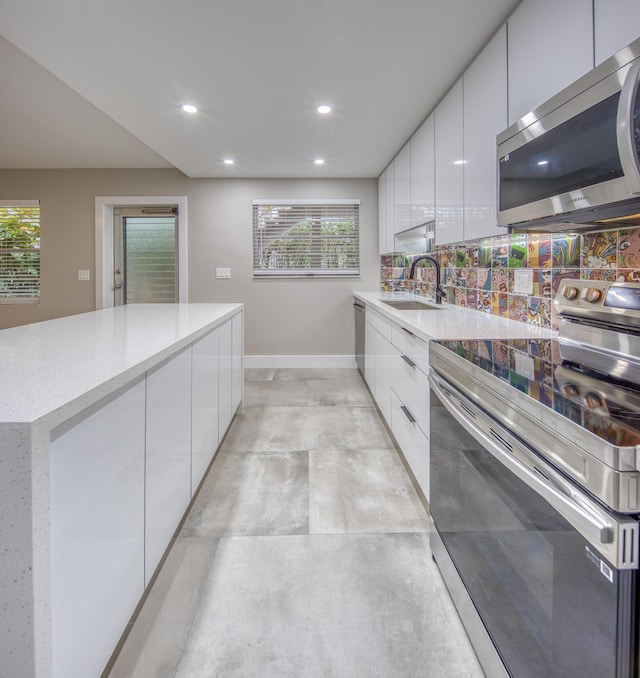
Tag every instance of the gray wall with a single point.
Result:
(282, 317)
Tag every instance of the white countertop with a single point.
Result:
(449, 321)
(58, 367)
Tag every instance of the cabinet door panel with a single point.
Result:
(616, 24)
(168, 455)
(204, 395)
(97, 530)
(550, 46)
(485, 116)
(413, 443)
(449, 167)
(390, 207)
(382, 216)
(423, 174)
(402, 189)
(225, 410)
(236, 360)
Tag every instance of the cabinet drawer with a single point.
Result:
(379, 323)
(412, 347)
(413, 443)
(412, 388)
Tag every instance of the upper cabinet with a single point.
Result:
(550, 46)
(449, 167)
(382, 215)
(617, 23)
(402, 189)
(423, 173)
(485, 116)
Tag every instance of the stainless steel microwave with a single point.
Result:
(574, 161)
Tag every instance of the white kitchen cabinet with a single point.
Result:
(485, 116)
(412, 441)
(449, 161)
(550, 46)
(237, 350)
(396, 369)
(382, 215)
(402, 189)
(168, 454)
(379, 360)
(205, 433)
(616, 24)
(423, 184)
(389, 208)
(225, 405)
(97, 529)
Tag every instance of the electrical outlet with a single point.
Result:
(84, 275)
(523, 281)
(223, 273)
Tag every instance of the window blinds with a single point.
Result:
(306, 238)
(19, 251)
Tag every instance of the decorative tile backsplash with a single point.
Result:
(481, 274)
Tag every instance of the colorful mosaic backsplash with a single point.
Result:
(480, 274)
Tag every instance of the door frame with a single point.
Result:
(104, 229)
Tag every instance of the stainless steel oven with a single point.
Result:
(574, 159)
(535, 494)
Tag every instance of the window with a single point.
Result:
(19, 251)
(306, 237)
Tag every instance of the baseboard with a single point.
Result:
(279, 361)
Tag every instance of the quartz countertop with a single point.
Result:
(449, 321)
(58, 367)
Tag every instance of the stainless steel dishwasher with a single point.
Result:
(358, 307)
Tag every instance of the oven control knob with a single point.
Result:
(592, 295)
(570, 390)
(593, 401)
(570, 293)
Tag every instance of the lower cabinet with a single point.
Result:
(122, 475)
(97, 530)
(396, 369)
(168, 455)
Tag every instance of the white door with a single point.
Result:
(145, 249)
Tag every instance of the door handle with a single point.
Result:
(117, 286)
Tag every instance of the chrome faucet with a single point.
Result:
(427, 257)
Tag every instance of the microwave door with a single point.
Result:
(628, 128)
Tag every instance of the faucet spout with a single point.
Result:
(436, 264)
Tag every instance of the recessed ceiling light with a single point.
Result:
(229, 161)
(543, 162)
(189, 108)
(319, 161)
(324, 109)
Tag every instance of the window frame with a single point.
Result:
(23, 300)
(327, 204)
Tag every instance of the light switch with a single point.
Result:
(523, 281)
(223, 273)
(84, 275)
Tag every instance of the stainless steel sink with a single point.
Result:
(408, 305)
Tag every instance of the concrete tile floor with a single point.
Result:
(305, 554)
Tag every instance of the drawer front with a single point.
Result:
(413, 347)
(413, 443)
(379, 323)
(412, 388)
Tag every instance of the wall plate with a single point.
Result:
(522, 281)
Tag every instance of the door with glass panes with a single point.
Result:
(145, 267)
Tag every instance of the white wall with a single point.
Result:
(282, 317)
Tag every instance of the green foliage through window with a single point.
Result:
(19, 252)
(309, 239)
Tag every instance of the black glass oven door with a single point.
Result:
(551, 604)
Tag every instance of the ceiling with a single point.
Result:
(99, 83)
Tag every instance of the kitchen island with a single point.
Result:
(108, 422)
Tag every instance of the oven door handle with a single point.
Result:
(593, 523)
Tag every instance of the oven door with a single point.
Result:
(522, 552)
